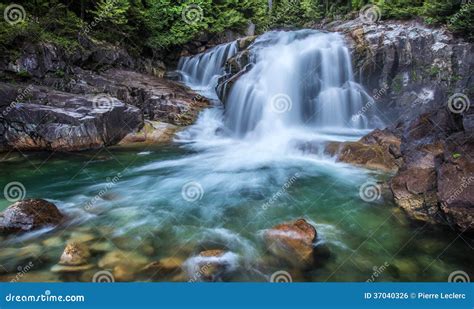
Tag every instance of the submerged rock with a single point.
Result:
(293, 242)
(29, 215)
(163, 267)
(75, 254)
(118, 257)
(211, 265)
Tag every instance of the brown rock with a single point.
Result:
(75, 254)
(29, 215)
(292, 242)
(378, 150)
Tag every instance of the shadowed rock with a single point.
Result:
(29, 215)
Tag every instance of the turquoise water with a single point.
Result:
(145, 212)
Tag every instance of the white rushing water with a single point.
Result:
(300, 89)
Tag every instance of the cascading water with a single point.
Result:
(202, 71)
(301, 78)
(300, 87)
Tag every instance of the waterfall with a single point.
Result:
(300, 87)
(202, 71)
(301, 78)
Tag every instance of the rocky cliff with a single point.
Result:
(53, 99)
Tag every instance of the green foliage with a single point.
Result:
(461, 22)
(146, 25)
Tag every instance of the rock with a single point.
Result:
(123, 273)
(29, 215)
(53, 242)
(154, 132)
(456, 192)
(378, 150)
(211, 265)
(75, 254)
(293, 242)
(414, 190)
(435, 182)
(162, 267)
(80, 237)
(102, 247)
(132, 260)
(71, 269)
(68, 122)
(418, 64)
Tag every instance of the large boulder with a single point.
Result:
(28, 215)
(53, 120)
(436, 181)
(378, 150)
(292, 242)
(211, 265)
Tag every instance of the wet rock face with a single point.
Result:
(292, 242)
(29, 215)
(378, 150)
(66, 122)
(436, 182)
(418, 65)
